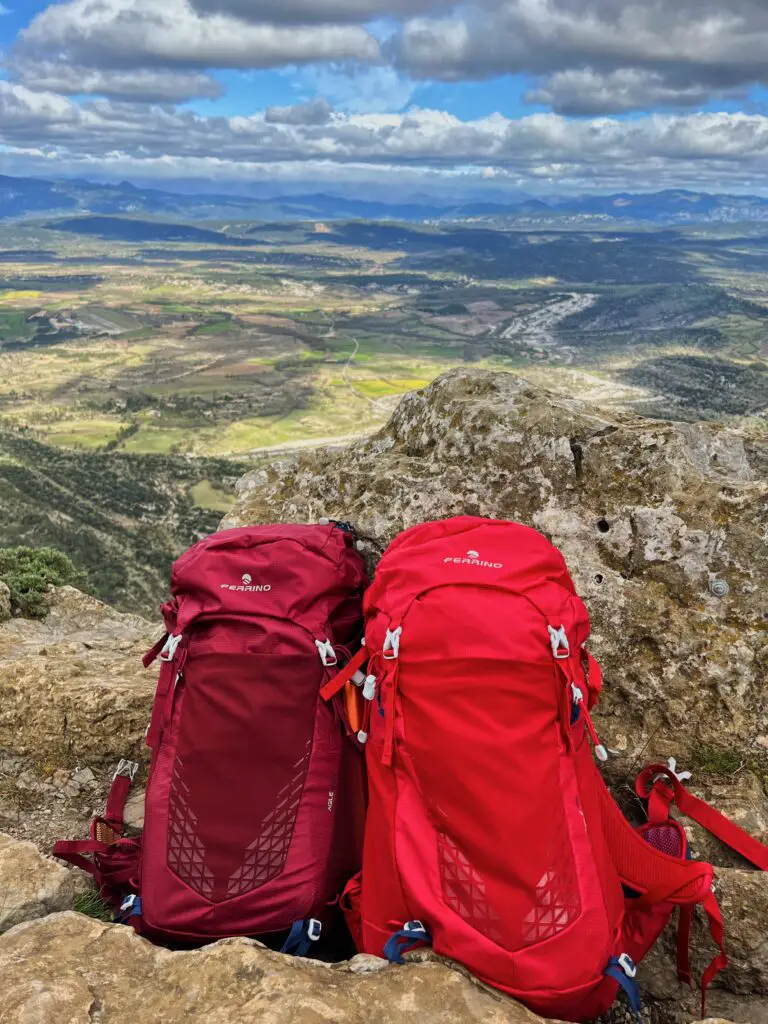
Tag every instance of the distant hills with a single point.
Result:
(34, 197)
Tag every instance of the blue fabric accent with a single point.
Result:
(299, 941)
(575, 713)
(126, 912)
(409, 936)
(629, 985)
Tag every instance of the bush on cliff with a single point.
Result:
(28, 572)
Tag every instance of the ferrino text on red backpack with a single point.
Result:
(255, 801)
(490, 834)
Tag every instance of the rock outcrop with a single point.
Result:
(31, 885)
(665, 528)
(663, 525)
(5, 602)
(72, 687)
(68, 969)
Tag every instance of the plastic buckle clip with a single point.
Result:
(168, 653)
(561, 647)
(392, 644)
(327, 653)
(627, 965)
(127, 770)
(314, 930)
(415, 927)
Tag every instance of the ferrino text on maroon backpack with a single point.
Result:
(255, 800)
(491, 834)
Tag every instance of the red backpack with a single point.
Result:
(491, 835)
(255, 801)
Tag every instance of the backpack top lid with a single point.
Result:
(285, 571)
(468, 550)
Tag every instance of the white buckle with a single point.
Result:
(127, 904)
(680, 776)
(415, 926)
(369, 689)
(392, 644)
(560, 643)
(362, 737)
(315, 930)
(578, 696)
(358, 679)
(327, 653)
(168, 653)
(126, 769)
(627, 965)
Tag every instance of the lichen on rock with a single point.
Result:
(647, 514)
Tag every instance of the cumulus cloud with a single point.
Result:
(139, 84)
(308, 11)
(315, 112)
(142, 33)
(730, 149)
(585, 91)
(696, 43)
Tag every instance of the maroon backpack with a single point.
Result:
(255, 801)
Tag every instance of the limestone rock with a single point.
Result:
(648, 514)
(73, 692)
(33, 886)
(5, 602)
(68, 969)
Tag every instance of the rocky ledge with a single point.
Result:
(664, 527)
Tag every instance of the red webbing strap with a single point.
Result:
(169, 670)
(116, 801)
(594, 679)
(720, 962)
(151, 656)
(337, 684)
(659, 803)
(684, 924)
(74, 853)
(710, 819)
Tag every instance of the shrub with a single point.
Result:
(28, 572)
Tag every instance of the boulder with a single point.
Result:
(663, 525)
(69, 969)
(31, 885)
(73, 692)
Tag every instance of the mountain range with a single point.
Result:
(34, 197)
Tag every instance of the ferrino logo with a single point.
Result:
(473, 558)
(247, 586)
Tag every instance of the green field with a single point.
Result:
(126, 355)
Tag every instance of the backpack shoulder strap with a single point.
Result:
(659, 782)
(655, 876)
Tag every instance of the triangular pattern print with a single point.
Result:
(465, 891)
(557, 899)
(186, 854)
(266, 856)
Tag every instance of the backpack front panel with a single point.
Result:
(488, 831)
(253, 809)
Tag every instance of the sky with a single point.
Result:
(405, 96)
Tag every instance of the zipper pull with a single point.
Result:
(578, 700)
